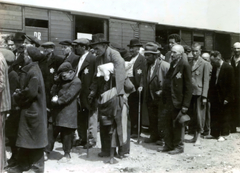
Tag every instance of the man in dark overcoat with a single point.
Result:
(105, 55)
(157, 70)
(136, 68)
(221, 96)
(49, 64)
(32, 132)
(177, 93)
(235, 62)
(85, 70)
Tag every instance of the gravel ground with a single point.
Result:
(211, 157)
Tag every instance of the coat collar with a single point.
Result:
(157, 66)
(86, 61)
(27, 67)
(198, 64)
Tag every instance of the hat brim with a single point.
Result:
(148, 51)
(135, 45)
(101, 42)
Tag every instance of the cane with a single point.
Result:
(88, 135)
(139, 116)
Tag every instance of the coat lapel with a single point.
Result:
(177, 68)
(155, 70)
(199, 62)
(85, 64)
(138, 62)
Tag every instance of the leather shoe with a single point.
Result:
(103, 154)
(163, 149)
(176, 151)
(150, 140)
(16, 169)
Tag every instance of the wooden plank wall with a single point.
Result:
(61, 25)
(40, 33)
(147, 32)
(121, 32)
(186, 37)
(35, 13)
(11, 17)
(208, 41)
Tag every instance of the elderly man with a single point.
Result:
(221, 96)
(235, 62)
(157, 70)
(177, 93)
(200, 82)
(85, 70)
(105, 55)
(69, 55)
(5, 106)
(137, 75)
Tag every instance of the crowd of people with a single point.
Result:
(97, 85)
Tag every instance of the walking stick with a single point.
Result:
(88, 135)
(139, 116)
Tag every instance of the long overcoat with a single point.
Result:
(32, 131)
(65, 111)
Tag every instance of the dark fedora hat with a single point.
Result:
(134, 42)
(32, 39)
(98, 39)
(19, 36)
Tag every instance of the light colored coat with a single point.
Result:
(5, 98)
(200, 77)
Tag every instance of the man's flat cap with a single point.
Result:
(32, 39)
(66, 42)
(83, 41)
(48, 44)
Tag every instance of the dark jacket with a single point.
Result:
(49, 69)
(236, 71)
(86, 75)
(32, 132)
(139, 72)
(223, 90)
(65, 110)
(181, 85)
(73, 59)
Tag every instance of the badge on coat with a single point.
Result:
(179, 75)
(139, 71)
(86, 71)
(52, 70)
(197, 72)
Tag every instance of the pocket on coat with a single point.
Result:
(31, 118)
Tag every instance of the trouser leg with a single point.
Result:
(105, 138)
(93, 125)
(153, 119)
(83, 124)
(67, 136)
(55, 130)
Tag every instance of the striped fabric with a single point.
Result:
(5, 99)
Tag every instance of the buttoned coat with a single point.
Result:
(32, 131)
(72, 59)
(181, 85)
(86, 75)
(65, 111)
(200, 77)
(155, 82)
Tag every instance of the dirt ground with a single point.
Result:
(211, 157)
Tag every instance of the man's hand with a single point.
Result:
(204, 101)
(225, 102)
(184, 110)
(91, 96)
(140, 89)
(55, 99)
